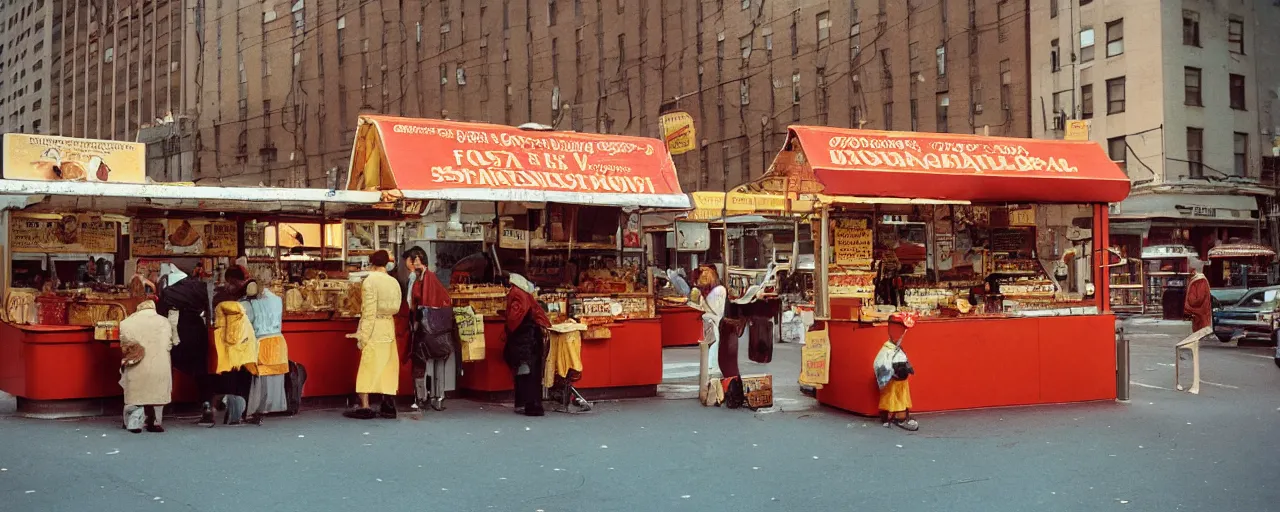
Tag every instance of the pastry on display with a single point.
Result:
(185, 236)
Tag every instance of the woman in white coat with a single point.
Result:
(712, 303)
(146, 375)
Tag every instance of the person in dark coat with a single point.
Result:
(190, 298)
(525, 321)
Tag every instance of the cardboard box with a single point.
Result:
(759, 390)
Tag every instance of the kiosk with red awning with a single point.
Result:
(560, 208)
(990, 240)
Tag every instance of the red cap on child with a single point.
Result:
(904, 319)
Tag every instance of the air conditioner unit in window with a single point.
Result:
(977, 108)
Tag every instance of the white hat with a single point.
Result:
(520, 282)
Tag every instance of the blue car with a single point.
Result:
(1255, 317)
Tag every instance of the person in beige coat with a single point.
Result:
(146, 375)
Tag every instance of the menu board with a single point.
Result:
(852, 239)
(157, 237)
(1009, 240)
(72, 233)
(855, 285)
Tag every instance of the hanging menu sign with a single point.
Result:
(184, 238)
(852, 240)
(1009, 240)
(74, 233)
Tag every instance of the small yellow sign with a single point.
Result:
(678, 132)
(815, 359)
(1077, 129)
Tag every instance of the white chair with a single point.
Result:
(1191, 343)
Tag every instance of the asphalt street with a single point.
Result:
(1162, 451)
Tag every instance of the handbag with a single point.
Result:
(434, 333)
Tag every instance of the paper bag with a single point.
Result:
(470, 333)
(815, 359)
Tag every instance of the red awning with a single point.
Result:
(434, 159)
(957, 167)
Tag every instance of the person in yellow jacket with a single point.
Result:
(379, 371)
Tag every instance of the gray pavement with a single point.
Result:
(1162, 451)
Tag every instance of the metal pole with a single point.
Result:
(822, 301)
(1122, 366)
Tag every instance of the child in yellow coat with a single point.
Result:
(892, 370)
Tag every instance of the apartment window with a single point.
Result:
(551, 13)
(944, 104)
(555, 63)
(39, 83)
(1086, 45)
(795, 88)
(744, 92)
(461, 73)
(746, 4)
(1191, 86)
(1085, 2)
(744, 43)
(1191, 28)
(108, 55)
(824, 27)
(855, 41)
(942, 60)
(1086, 101)
(914, 107)
(1235, 36)
(888, 115)
(1117, 150)
(1242, 154)
(795, 36)
(1059, 111)
(1053, 9)
(1237, 92)
(444, 9)
(622, 50)
(1115, 95)
(821, 91)
(1195, 152)
(1002, 23)
(1115, 38)
(1054, 62)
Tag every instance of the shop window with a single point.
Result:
(1237, 92)
(1191, 87)
(1115, 95)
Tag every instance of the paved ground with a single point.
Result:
(1163, 451)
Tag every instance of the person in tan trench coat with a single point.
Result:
(146, 375)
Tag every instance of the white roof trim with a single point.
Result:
(543, 196)
(156, 191)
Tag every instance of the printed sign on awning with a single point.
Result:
(959, 167)
(433, 159)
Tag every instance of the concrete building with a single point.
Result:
(282, 83)
(26, 48)
(99, 71)
(1171, 89)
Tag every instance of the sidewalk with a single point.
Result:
(680, 376)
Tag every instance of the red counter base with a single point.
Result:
(681, 327)
(628, 365)
(967, 364)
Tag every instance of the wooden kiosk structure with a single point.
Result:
(564, 215)
(990, 240)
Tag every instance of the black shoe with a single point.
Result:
(135, 430)
(157, 429)
(255, 419)
(437, 403)
(520, 410)
(389, 414)
(361, 414)
(535, 411)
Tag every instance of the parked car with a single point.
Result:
(1255, 316)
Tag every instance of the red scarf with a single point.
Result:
(521, 303)
(429, 292)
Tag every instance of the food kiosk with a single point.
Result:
(990, 240)
(564, 213)
(80, 251)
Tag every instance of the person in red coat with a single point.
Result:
(1199, 303)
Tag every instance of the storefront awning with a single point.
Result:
(1242, 250)
(434, 159)
(1205, 208)
(846, 162)
(22, 193)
